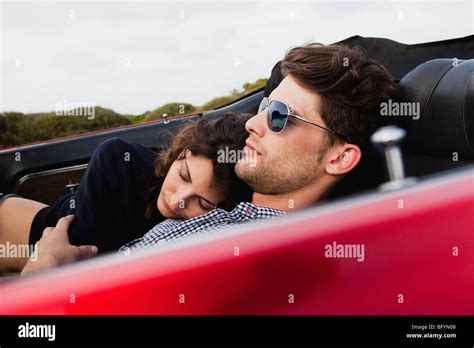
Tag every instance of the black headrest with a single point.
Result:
(444, 89)
(400, 58)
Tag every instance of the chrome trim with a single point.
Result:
(388, 140)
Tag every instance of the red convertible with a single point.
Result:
(386, 242)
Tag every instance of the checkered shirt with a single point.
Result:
(172, 230)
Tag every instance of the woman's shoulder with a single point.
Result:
(122, 148)
(115, 152)
(116, 144)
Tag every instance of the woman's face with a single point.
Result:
(187, 189)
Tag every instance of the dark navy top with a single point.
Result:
(110, 201)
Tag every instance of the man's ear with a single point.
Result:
(341, 159)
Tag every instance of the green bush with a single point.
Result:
(17, 128)
(233, 95)
(171, 109)
(217, 102)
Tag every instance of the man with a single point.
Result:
(307, 135)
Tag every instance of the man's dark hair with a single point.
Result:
(351, 85)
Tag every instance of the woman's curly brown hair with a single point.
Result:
(206, 137)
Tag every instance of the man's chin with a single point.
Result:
(244, 168)
(249, 159)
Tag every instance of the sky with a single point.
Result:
(133, 56)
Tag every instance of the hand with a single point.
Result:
(54, 248)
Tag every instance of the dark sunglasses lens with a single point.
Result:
(277, 116)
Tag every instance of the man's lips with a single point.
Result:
(249, 148)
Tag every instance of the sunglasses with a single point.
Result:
(279, 112)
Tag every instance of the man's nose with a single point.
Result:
(257, 124)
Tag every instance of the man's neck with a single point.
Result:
(293, 200)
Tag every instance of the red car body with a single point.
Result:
(419, 259)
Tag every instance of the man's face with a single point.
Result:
(288, 161)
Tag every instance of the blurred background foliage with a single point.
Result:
(17, 128)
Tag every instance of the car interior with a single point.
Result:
(439, 76)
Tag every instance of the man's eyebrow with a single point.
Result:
(298, 113)
(191, 181)
(294, 111)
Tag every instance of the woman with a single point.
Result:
(127, 189)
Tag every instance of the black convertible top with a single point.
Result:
(397, 57)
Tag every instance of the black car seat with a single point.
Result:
(443, 136)
(440, 138)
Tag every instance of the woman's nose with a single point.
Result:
(179, 199)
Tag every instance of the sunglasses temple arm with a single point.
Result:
(317, 125)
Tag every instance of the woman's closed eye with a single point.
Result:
(204, 204)
(180, 173)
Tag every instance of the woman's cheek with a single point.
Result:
(169, 184)
(165, 189)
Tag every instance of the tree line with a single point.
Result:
(17, 128)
